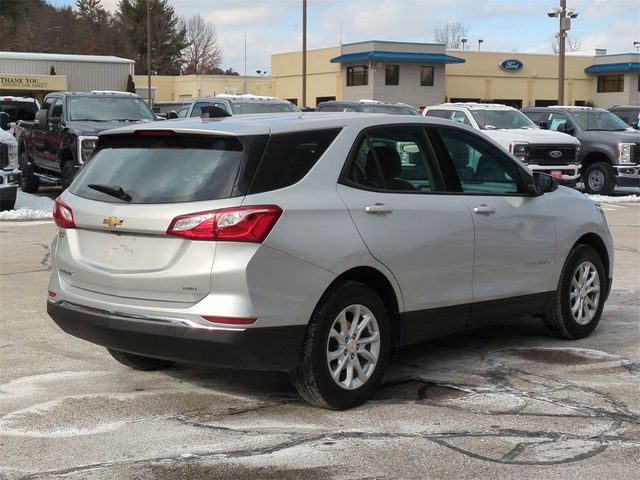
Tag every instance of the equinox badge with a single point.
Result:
(112, 221)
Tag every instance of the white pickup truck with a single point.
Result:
(542, 150)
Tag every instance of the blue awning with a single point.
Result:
(376, 56)
(613, 67)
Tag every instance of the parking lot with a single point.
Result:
(503, 402)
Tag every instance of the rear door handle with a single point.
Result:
(484, 210)
(378, 208)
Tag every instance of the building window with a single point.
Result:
(392, 75)
(357, 76)
(426, 76)
(610, 83)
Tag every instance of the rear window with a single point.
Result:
(19, 110)
(167, 169)
(289, 157)
(244, 108)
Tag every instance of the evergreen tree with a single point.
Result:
(91, 11)
(168, 38)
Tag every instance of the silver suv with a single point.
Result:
(315, 244)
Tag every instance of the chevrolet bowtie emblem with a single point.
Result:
(112, 221)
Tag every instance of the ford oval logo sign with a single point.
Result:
(511, 65)
(555, 154)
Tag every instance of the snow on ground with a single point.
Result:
(607, 199)
(34, 207)
(29, 207)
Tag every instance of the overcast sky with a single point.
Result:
(275, 26)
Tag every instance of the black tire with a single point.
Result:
(138, 362)
(7, 205)
(68, 173)
(598, 179)
(312, 377)
(560, 319)
(28, 182)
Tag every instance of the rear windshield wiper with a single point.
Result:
(113, 190)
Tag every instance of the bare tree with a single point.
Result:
(203, 53)
(451, 34)
(571, 44)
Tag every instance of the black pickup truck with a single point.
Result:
(65, 130)
(609, 148)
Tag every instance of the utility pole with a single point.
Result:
(561, 53)
(149, 54)
(304, 53)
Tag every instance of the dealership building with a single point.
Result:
(419, 74)
(36, 74)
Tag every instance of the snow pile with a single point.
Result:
(608, 199)
(29, 207)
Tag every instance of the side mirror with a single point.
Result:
(544, 125)
(635, 125)
(4, 120)
(172, 114)
(162, 116)
(569, 130)
(41, 117)
(542, 183)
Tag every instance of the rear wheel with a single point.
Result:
(7, 205)
(598, 179)
(68, 172)
(138, 362)
(578, 302)
(29, 183)
(346, 349)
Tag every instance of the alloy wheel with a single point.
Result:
(584, 295)
(353, 347)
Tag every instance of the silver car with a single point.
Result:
(315, 244)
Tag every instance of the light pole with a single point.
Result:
(637, 45)
(464, 41)
(480, 43)
(565, 15)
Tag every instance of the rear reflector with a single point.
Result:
(237, 224)
(52, 294)
(230, 320)
(62, 214)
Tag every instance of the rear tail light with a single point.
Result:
(236, 224)
(62, 214)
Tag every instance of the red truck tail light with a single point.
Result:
(237, 224)
(62, 214)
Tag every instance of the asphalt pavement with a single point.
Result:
(508, 402)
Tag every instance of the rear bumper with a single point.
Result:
(270, 348)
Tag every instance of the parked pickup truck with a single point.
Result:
(65, 132)
(9, 175)
(549, 152)
(610, 153)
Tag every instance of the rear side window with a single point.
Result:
(169, 169)
(289, 157)
(19, 110)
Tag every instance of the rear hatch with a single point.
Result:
(123, 202)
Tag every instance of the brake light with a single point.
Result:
(231, 320)
(236, 224)
(154, 133)
(62, 214)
